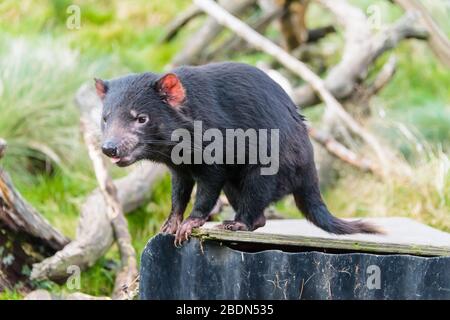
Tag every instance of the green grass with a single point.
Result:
(11, 295)
(98, 280)
(147, 220)
(38, 79)
(42, 63)
(425, 198)
(128, 30)
(58, 197)
(33, 123)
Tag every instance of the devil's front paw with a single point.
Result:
(185, 229)
(171, 225)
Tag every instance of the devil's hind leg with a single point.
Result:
(249, 200)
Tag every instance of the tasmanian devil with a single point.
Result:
(142, 111)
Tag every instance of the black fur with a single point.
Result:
(222, 95)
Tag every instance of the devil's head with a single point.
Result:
(139, 114)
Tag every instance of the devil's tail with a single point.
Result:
(310, 202)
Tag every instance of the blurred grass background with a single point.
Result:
(42, 63)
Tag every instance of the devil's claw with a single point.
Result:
(185, 229)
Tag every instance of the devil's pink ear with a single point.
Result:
(171, 89)
(101, 88)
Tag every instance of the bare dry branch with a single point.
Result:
(203, 37)
(128, 272)
(343, 153)
(362, 48)
(179, 22)
(235, 44)
(363, 94)
(384, 76)
(438, 40)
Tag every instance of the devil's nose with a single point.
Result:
(110, 149)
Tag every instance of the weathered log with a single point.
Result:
(19, 216)
(25, 236)
(203, 37)
(362, 48)
(299, 68)
(95, 233)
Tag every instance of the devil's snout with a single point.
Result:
(110, 149)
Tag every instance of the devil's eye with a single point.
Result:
(142, 118)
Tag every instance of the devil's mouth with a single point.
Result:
(115, 160)
(122, 161)
(126, 160)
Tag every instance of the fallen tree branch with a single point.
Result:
(95, 233)
(296, 66)
(343, 153)
(179, 22)
(383, 77)
(361, 49)
(438, 40)
(363, 94)
(19, 216)
(128, 273)
(206, 34)
(235, 43)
